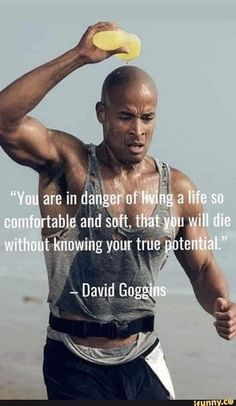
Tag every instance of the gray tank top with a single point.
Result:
(69, 271)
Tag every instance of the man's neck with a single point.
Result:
(105, 154)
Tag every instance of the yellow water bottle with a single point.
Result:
(111, 40)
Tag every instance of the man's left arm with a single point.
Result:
(206, 277)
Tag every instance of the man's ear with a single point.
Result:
(100, 112)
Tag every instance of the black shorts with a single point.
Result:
(68, 376)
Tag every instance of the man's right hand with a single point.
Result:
(88, 52)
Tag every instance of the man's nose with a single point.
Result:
(136, 127)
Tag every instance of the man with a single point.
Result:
(101, 342)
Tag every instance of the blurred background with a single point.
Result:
(189, 48)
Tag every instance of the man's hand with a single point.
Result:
(225, 315)
(88, 51)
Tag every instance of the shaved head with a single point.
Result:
(127, 112)
(126, 76)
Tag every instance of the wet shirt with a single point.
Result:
(90, 282)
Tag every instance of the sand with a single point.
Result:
(202, 364)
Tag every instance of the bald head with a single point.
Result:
(127, 112)
(126, 76)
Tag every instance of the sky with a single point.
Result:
(188, 47)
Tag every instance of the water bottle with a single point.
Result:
(111, 40)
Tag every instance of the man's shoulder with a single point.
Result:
(177, 177)
(67, 144)
(59, 136)
(180, 182)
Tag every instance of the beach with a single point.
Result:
(202, 364)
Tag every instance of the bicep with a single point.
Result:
(31, 144)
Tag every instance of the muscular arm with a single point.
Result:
(200, 265)
(25, 139)
(206, 277)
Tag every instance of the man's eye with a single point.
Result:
(147, 118)
(124, 117)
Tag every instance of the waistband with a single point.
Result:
(113, 329)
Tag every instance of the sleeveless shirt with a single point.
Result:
(69, 271)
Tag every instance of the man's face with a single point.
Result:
(128, 116)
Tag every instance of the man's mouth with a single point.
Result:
(135, 147)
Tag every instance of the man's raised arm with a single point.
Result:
(25, 139)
